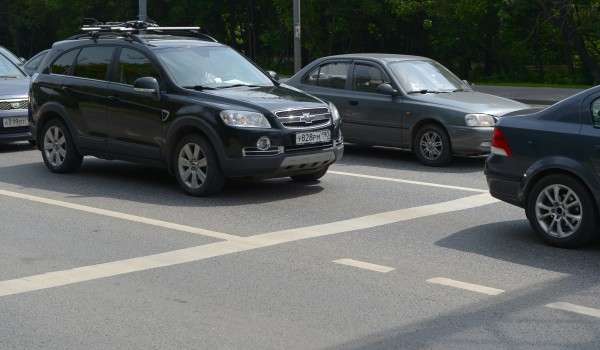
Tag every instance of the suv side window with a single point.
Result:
(93, 62)
(133, 65)
(330, 75)
(596, 113)
(62, 65)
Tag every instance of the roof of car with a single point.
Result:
(388, 57)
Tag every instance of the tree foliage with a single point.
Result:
(544, 41)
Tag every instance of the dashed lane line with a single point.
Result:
(364, 265)
(464, 285)
(575, 308)
(233, 244)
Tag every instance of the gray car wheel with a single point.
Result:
(561, 211)
(432, 145)
(196, 166)
(58, 150)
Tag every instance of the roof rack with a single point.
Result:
(129, 30)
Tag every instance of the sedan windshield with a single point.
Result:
(426, 76)
(211, 67)
(9, 69)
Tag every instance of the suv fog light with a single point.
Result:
(263, 143)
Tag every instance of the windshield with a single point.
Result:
(9, 69)
(426, 76)
(211, 67)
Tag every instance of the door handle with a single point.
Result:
(67, 88)
(114, 98)
(353, 103)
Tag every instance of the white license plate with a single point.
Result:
(13, 122)
(313, 137)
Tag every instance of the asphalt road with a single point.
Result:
(382, 253)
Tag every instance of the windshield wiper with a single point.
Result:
(236, 85)
(199, 87)
(424, 91)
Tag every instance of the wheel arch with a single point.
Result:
(51, 111)
(420, 124)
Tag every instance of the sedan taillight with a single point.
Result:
(499, 144)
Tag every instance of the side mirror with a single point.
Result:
(148, 85)
(387, 89)
(273, 75)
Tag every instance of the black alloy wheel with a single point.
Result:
(58, 149)
(196, 166)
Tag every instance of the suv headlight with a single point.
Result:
(335, 114)
(477, 119)
(245, 119)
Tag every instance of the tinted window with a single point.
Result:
(63, 64)
(596, 112)
(93, 62)
(134, 64)
(367, 78)
(331, 75)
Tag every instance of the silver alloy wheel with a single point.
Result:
(192, 165)
(55, 146)
(431, 145)
(558, 211)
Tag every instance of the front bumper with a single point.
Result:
(470, 140)
(21, 133)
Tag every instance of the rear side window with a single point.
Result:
(596, 113)
(133, 65)
(63, 64)
(92, 62)
(330, 75)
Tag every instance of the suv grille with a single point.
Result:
(304, 118)
(7, 105)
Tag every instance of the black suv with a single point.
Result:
(175, 96)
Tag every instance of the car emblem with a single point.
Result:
(14, 105)
(307, 118)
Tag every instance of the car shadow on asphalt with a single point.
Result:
(14, 147)
(148, 184)
(400, 159)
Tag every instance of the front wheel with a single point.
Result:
(58, 149)
(196, 166)
(432, 146)
(562, 212)
(310, 177)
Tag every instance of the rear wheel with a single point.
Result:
(196, 166)
(310, 177)
(562, 212)
(58, 149)
(432, 145)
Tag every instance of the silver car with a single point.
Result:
(14, 89)
(403, 101)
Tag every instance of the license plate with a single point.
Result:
(13, 122)
(313, 137)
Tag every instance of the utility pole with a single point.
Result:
(143, 12)
(297, 42)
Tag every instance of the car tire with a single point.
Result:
(58, 149)
(196, 166)
(561, 211)
(432, 146)
(310, 177)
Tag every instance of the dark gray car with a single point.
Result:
(406, 101)
(549, 164)
(14, 88)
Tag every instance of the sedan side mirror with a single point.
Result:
(273, 75)
(148, 85)
(387, 89)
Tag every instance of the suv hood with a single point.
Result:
(14, 88)
(472, 102)
(272, 98)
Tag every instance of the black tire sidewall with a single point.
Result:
(72, 159)
(214, 176)
(589, 222)
(446, 155)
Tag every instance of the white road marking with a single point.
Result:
(364, 265)
(408, 181)
(464, 285)
(118, 215)
(234, 244)
(575, 308)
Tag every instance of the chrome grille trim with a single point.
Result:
(308, 118)
(7, 105)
